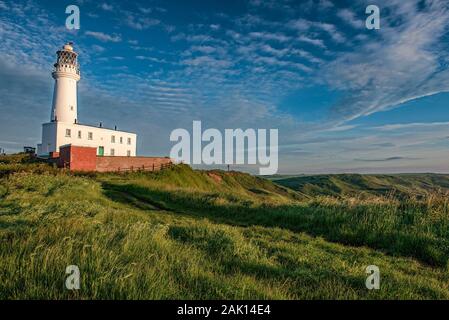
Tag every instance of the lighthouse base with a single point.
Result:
(108, 142)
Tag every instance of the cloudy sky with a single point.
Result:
(344, 98)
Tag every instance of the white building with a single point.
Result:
(64, 127)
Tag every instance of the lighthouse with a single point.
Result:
(66, 74)
(64, 127)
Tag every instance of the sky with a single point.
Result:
(344, 98)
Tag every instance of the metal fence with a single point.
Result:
(146, 168)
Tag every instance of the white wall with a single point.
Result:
(54, 135)
(100, 137)
(65, 102)
(48, 139)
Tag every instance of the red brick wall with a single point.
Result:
(105, 164)
(85, 159)
(78, 158)
(54, 154)
(64, 157)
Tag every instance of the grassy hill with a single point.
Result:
(396, 185)
(188, 234)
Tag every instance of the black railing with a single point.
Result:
(146, 168)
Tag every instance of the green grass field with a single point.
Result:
(187, 234)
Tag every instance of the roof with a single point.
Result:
(92, 126)
(98, 127)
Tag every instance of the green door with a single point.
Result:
(101, 151)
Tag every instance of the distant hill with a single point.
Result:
(357, 184)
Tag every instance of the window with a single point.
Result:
(129, 140)
(113, 139)
(128, 153)
(121, 139)
(90, 136)
(79, 134)
(68, 132)
(112, 152)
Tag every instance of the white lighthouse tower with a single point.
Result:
(66, 74)
(64, 127)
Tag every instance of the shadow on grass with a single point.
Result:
(16, 224)
(9, 208)
(348, 226)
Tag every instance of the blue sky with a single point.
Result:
(344, 98)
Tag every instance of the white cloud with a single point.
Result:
(331, 30)
(399, 126)
(98, 48)
(349, 17)
(146, 10)
(203, 49)
(270, 36)
(206, 61)
(3, 6)
(103, 36)
(341, 128)
(302, 26)
(106, 7)
(325, 4)
(139, 22)
(306, 55)
(152, 59)
(400, 64)
(276, 52)
(315, 42)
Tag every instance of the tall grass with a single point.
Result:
(407, 227)
(157, 236)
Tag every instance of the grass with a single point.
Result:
(185, 234)
(342, 185)
(411, 228)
